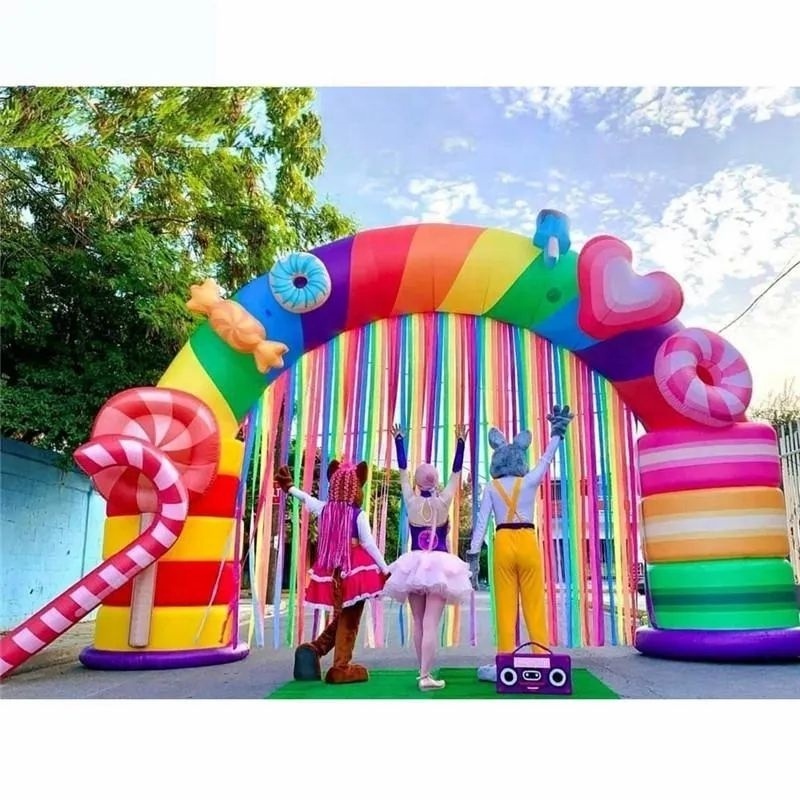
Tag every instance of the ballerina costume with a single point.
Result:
(429, 567)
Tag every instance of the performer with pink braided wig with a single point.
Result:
(348, 570)
(429, 576)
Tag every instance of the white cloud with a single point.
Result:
(725, 241)
(506, 177)
(401, 203)
(643, 110)
(540, 101)
(439, 200)
(452, 144)
(742, 224)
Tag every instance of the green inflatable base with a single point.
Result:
(733, 594)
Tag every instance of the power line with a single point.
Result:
(774, 283)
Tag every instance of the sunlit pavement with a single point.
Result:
(57, 674)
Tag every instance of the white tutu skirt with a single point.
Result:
(429, 572)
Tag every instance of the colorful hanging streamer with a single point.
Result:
(430, 372)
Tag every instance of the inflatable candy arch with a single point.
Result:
(718, 583)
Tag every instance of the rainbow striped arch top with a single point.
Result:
(411, 269)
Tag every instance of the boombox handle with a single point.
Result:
(535, 644)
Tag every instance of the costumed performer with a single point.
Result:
(429, 576)
(518, 572)
(348, 570)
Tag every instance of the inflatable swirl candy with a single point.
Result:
(177, 423)
(300, 282)
(703, 377)
(172, 504)
(236, 326)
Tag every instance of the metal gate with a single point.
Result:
(789, 444)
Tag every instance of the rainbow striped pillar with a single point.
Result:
(194, 602)
(719, 581)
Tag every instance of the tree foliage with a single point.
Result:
(112, 202)
(779, 408)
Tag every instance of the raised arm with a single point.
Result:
(402, 463)
(536, 475)
(283, 477)
(559, 420)
(449, 491)
(313, 504)
(368, 542)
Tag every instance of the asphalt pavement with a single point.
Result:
(56, 673)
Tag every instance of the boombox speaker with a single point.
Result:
(549, 673)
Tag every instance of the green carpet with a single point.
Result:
(462, 684)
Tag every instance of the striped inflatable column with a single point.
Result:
(719, 582)
(194, 607)
(191, 622)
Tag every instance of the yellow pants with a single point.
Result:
(518, 574)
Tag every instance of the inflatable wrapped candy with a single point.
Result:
(236, 326)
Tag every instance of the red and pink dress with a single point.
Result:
(345, 543)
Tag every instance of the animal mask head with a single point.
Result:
(509, 459)
(346, 482)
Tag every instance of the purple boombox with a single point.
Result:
(530, 673)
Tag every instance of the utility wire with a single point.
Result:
(774, 283)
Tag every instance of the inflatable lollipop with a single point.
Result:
(178, 424)
(184, 429)
(171, 501)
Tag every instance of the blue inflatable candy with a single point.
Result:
(552, 235)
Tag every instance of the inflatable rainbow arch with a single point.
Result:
(167, 458)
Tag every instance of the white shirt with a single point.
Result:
(493, 502)
(365, 537)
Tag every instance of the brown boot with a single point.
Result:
(342, 670)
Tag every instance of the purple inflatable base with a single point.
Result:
(755, 646)
(161, 659)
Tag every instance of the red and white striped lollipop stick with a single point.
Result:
(94, 457)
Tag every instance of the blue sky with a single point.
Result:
(703, 183)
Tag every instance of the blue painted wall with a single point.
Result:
(52, 530)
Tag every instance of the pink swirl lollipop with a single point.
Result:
(171, 499)
(177, 423)
(704, 377)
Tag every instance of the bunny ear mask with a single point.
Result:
(523, 440)
(496, 439)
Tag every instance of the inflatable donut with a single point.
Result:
(746, 454)
(703, 377)
(300, 282)
(737, 522)
(736, 594)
